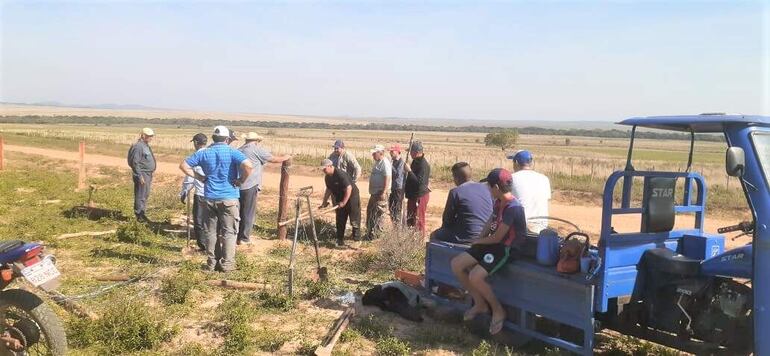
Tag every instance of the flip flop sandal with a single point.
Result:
(470, 314)
(496, 326)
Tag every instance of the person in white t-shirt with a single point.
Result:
(532, 189)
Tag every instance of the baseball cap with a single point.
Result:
(521, 157)
(252, 136)
(221, 131)
(377, 148)
(498, 176)
(416, 146)
(326, 163)
(339, 144)
(200, 139)
(395, 147)
(148, 131)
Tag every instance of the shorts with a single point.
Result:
(449, 235)
(492, 257)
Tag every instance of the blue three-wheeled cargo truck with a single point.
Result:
(666, 283)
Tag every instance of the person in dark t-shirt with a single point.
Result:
(344, 192)
(496, 246)
(468, 207)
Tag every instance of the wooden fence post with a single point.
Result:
(82, 172)
(2, 155)
(283, 199)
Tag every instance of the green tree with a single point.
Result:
(505, 138)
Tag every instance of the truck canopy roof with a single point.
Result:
(704, 123)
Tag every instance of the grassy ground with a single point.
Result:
(170, 311)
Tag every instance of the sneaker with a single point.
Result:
(243, 242)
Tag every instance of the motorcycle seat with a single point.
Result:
(667, 261)
(6, 246)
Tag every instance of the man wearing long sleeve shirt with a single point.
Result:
(396, 200)
(345, 161)
(142, 162)
(416, 188)
(199, 205)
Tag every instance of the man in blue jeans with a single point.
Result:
(221, 165)
(142, 162)
(468, 207)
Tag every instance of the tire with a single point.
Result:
(41, 314)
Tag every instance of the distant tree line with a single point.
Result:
(189, 122)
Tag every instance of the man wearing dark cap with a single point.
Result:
(345, 194)
(344, 160)
(199, 205)
(497, 244)
(416, 188)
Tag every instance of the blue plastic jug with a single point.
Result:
(548, 247)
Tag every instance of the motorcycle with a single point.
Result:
(708, 301)
(28, 326)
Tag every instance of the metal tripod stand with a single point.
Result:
(322, 273)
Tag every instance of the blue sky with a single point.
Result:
(481, 60)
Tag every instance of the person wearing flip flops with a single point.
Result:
(496, 246)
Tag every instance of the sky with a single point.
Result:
(502, 60)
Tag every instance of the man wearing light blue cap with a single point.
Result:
(532, 189)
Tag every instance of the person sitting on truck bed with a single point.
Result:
(468, 207)
(496, 246)
(532, 189)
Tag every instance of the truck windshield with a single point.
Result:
(762, 146)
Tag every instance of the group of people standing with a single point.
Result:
(493, 215)
(390, 181)
(224, 183)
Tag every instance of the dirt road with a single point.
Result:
(587, 217)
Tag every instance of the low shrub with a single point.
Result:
(135, 233)
(276, 301)
(125, 326)
(175, 289)
(391, 346)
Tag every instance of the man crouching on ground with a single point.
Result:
(220, 164)
(496, 246)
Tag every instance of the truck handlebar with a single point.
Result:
(744, 226)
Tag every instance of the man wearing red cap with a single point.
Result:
(396, 200)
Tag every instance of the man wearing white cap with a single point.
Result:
(379, 187)
(142, 162)
(249, 189)
(225, 168)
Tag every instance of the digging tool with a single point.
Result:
(294, 246)
(187, 219)
(325, 349)
(321, 273)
